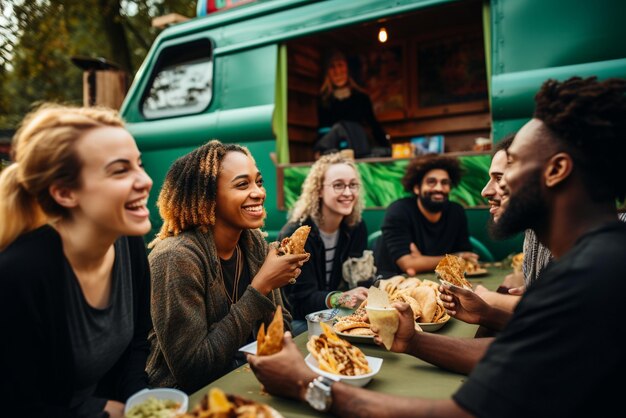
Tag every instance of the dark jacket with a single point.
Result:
(309, 292)
(36, 358)
(197, 331)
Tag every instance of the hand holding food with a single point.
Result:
(272, 342)
(270, 370)
(382, 316)
(463, 304)
(452, 270)
(406, 329)
(278, 270)
(295, 243)
(422, 296)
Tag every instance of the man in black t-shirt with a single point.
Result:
(418, 231)
(563, 343)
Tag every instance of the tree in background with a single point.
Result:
(38, 37)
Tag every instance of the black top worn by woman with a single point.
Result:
(355, 108)
(309, 292)
(37, 358)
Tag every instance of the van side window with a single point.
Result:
(181, 82)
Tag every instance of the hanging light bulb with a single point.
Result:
(382, 35)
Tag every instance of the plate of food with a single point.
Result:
(359, 380)
(336, 358)
(159, 402)
(434, 326)
(216, 403)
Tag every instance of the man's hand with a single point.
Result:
(463, 304)
(284, 373)
(414, 252)
(406, 329)
(517, 291)
(468, 256)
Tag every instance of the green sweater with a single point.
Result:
(197, 332)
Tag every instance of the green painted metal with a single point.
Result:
(530, 41)
(279, 122)
(534, 40)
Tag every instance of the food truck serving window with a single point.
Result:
(181, 82)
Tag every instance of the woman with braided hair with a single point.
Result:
(214, 278)
(74, 276)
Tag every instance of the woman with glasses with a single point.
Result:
(331, 204)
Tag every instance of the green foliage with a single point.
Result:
(381, 182)
(38, 38)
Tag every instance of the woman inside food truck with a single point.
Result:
(345, 113)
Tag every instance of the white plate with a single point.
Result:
(431, 326)
(362, 380)
(159, 393)
(249, 348)
(357, 339)
(476, 273)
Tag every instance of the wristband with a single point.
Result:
(333, 299)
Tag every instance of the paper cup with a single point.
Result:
(386, 320)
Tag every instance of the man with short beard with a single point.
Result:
(418, 231)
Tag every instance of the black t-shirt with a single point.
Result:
(98, 336)
(404, 224)
(563, 344)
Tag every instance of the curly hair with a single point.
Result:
(188, 197)
(588, 119)
(419, 166)
(308, 204)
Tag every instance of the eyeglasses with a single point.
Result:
(432, 182)
(340, 187)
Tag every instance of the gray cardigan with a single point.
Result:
(196, 331)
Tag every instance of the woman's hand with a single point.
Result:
(284, 373)
(278, 270)
(352, 298)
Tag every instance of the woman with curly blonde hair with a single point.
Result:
(331, 204)
(74, 281)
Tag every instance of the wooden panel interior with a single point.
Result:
(460, 122)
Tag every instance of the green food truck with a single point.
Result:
(455, 75)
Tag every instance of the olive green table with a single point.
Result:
(400, 374)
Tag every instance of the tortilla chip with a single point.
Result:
(377, 298)
(271, 343)
(452, 269)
